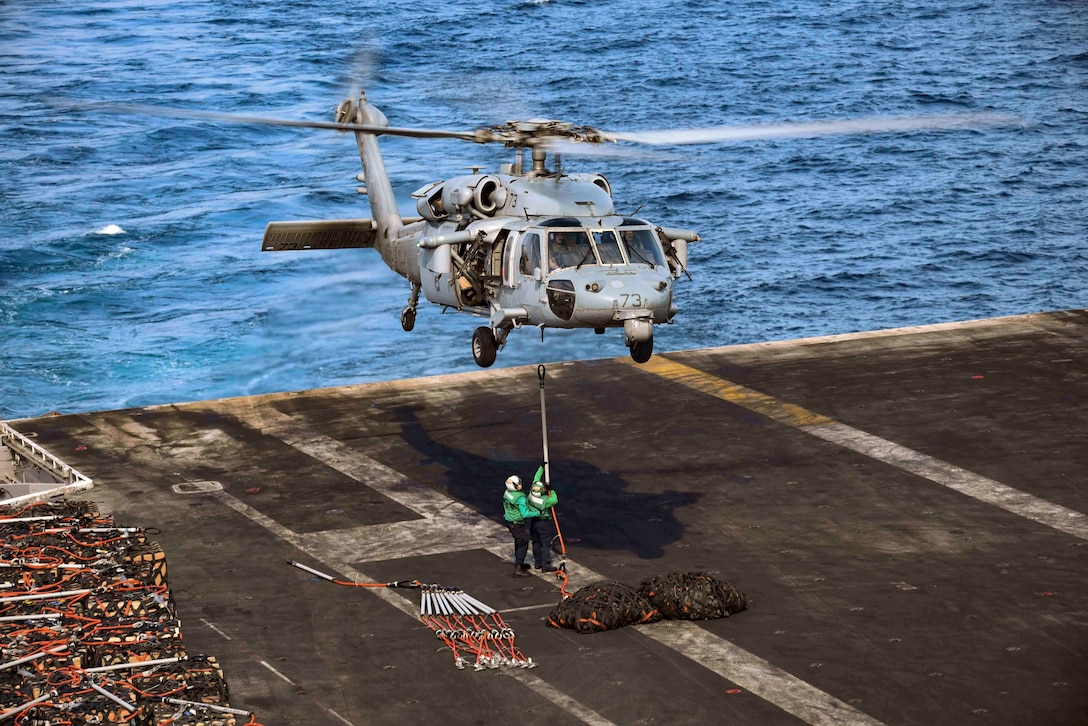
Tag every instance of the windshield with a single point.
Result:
(642, 246)
(608, 247)
(569, 248)
(578, 247)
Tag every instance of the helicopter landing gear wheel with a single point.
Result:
(484, 347)
(638, 333)
(641, 352)
(408, 319)
(408, 315)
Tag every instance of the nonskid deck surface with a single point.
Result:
(903, 509)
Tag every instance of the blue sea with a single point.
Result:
(130, 263)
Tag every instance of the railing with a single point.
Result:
(70, 479)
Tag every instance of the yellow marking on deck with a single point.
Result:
(753, 400)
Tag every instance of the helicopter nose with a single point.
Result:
(623, 295)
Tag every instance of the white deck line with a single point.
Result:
(940, 472)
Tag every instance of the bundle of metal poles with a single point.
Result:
(468, 627)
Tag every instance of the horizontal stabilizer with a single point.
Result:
(330, 234)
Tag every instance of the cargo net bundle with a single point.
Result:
(609, 604)
(88, 631)
(471, 630)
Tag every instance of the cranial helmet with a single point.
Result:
(513, 483)
(537, 488)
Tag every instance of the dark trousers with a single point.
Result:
(521, 540)
(542, 532)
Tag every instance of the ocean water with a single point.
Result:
(130, 263)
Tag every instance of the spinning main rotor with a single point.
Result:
(560, 136)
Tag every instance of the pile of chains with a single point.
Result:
(88, 631)
(469, 628)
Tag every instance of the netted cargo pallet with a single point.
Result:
(692, 596)
(609, 604)
(89, 633)
(602, 606)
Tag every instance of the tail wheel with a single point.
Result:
(484, 347)
(641, 352)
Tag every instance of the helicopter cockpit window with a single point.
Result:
(642, 246)
(569, 248)
(530, 253)
(608, 247)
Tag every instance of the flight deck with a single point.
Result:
(904, 511)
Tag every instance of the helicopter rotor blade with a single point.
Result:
(557, 137)
(876, 125)
(185, 113)
(565, 147)
(363, 63)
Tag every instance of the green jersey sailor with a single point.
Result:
(540, 501)
(516, 512)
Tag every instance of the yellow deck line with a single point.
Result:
(748, 398)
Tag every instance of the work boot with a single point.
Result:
(549, 568)
(519, 572)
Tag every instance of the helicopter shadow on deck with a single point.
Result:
(594, 511)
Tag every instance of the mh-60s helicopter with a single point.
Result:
(529, 245)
